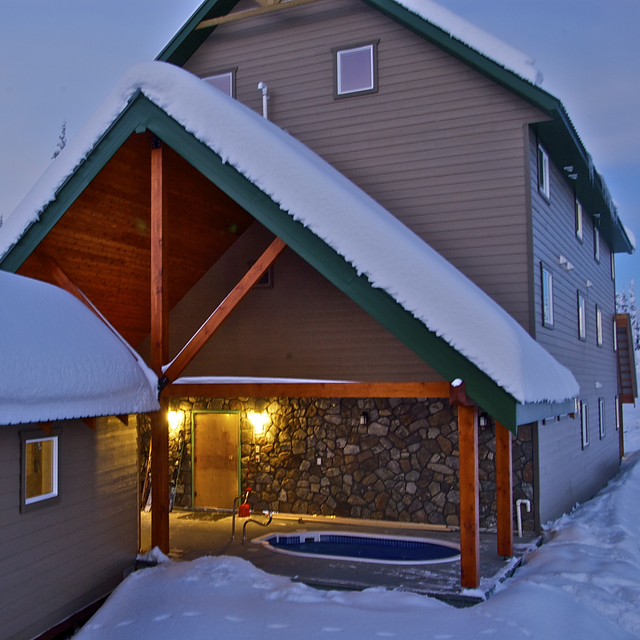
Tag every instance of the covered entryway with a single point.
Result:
(216, 459)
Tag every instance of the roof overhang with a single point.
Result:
(141, 114)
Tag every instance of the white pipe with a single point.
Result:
(263, 87)
(519, 504)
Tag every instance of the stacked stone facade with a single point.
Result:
(376, 458)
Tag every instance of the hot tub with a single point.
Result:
(361, 547)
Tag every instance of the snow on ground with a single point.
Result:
(584, 582)
(631, 420)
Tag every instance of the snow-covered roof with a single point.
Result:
(60, 361)
(475, 38)
(312, 192)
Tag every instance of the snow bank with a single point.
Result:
(378, 245)
(59, 361)
(475, 38)
(583, 583)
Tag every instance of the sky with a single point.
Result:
(60, 58)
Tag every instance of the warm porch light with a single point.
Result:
(258, 421)
(175, 420)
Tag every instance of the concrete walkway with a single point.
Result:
(196, 534)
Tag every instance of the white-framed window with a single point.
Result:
(601, 418)
(584, 423)
(355, 69)
(579, 221)
(599, 337)
(612, 256)
(547, 297)
(596, 244)
(544, 185)
(617, 413)
(224, 82)
(39, 468)
(582, 317)
(615, 334)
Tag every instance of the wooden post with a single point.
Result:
(504, 491)
(159, 351)
(469, 497)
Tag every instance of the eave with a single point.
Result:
(141, 114)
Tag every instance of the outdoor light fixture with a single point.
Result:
(258, 421)
(175, 420)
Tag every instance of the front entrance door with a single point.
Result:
(216, 439)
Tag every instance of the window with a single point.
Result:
(584, 424)
(615, 334)
(596, 243)
(599, 326)
(601, 418)
(579, 228)
(613, 265)
(547, 297)
(355, 70)
(39, 468)
(582, 317)
(543, 173)
(617, 413)
(224, 82)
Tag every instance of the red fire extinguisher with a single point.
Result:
(245, 508)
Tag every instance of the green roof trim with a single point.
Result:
(142, 114)
(559, 136)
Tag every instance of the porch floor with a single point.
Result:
(194, 534)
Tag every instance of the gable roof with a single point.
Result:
(59, 361)
(347, 236)
(489, 56)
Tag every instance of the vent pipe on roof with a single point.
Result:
(263, 87)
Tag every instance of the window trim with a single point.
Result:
(601, 419)
(596, 244)
(544, 174)
(617, 413)
(229, 72)
(546, 289)
(615, 333)
(582, 316)
(337, 51)
(612, 257)
(31, 504)
(584, 423)
(579, 220)
(599, 327)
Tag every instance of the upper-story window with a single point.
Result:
(584, 424)
(39, 468)
(224, 82)
(599, 337)
(615, 334)
(612, 256)
(355, 69)
(601, 418)
(582, 317)
(579, 216)
(547, 297)
(544, 184)
(596, 243)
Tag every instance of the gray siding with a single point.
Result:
(62, 557)
(439, 145)
(303, 327)
(567, 473)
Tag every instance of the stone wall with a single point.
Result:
(320, 456)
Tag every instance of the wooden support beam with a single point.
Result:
(90, 422)
(159, 271)
(47, 427)
(504, 491)
(191, 349)
(311, 390)
(469, 497)
(239, 15)
(160, 479)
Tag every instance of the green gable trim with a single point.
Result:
(141, 114)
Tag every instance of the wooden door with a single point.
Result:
(216, 439)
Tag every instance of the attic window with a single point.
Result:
(543, 173)
(596, 244)
(39, 469)
(579, 227)
(223, 82)
(355, 69)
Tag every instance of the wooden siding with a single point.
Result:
(62, 557)
(567, 473)
(303, 327)
(439, 145)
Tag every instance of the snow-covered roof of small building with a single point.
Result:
(60, 361)
(354, 225)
